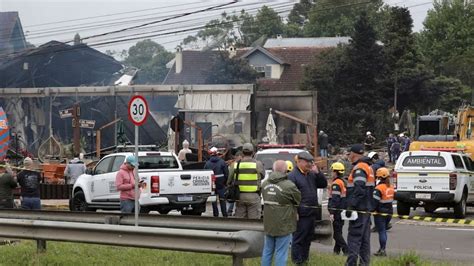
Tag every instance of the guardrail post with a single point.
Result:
(40, 245)
(237, 261)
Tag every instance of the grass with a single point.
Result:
(59, 253)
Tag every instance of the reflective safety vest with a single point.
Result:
(247, 178)
(369, 181)
(342, 188)
(387, 193)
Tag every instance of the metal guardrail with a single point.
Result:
(239, 244)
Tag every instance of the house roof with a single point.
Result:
(264, 51)
(8, 21)
(195, 64)
(306, 42)
(296, 58)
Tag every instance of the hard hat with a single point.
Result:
(321, 132)
(373, 155)
(289, 166)
(132, 160)
(247, 147)
(382, 172)
(401, 135)
(213, 151)
(338, 167)
(368, 133)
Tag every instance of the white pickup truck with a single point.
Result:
(433, 179)
(166, 186)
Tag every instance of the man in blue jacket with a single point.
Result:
(221, 171)
(308, 182)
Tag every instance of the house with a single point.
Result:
(12, 38)
(280, 63)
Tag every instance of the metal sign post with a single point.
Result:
(137, 113)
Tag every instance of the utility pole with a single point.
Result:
(76, 113)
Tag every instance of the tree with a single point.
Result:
(328, 18)
(151, 58)
(227, 70)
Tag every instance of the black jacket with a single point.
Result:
(308, 185)
(220, 169)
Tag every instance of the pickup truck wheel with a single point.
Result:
(403, 208)
(430, 209)
(460, 208)
(197, 212)
(79, 202)
(144, 210)
(164, 211)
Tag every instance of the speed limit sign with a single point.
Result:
(137, 110)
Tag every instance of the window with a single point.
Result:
(238, 127)
(157, 162)
(457, 162)
(117, 163)
(302, 128)
(468, 163)
(103, 166)
(268, 72)
(260, 71)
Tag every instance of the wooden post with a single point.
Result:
(76, 113)
(40, 245)
(176, 135)
(199, 131)
(97, 144)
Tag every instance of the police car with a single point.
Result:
(432, 179)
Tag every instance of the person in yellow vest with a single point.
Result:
(248, 174)
(336, 203)
(383, 202)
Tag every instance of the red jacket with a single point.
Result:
(125, 183)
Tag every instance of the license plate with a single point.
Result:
(422, 195)
(185, 198)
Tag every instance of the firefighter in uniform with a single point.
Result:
(307, 181)
(337, 202)
(383, 200)
(248, 174)
(360, 187)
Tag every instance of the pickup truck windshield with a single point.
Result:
(268, 159)
(424, 161)
(157, 162)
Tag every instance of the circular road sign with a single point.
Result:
(137, 110)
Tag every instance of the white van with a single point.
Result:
(433, 179)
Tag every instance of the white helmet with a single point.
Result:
(368, 133)
(372, 154)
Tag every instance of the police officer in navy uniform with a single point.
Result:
(307, 181)
(360, 187)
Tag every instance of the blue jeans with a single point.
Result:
(222, 203)
(230, 208)
(31, 203)
(277, 245)
(127, 206)
(323, 152)
(381, 224)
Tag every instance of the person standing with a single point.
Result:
(280, 197)
(390, 140)
(248, 174)
(73, 170)
(323, 143)
(395, 150)
(7, 184)
(221, 172)
(383, 200)
(125, 183)
(360, 187)
(29, 182)
(336, 203)
(185, 150)
(308, 182)
(369, 141)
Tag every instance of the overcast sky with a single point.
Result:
(45, 20)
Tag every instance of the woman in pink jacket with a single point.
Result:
(125, 183)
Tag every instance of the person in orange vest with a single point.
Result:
(383, 200)
(337, 202)
(360, 187)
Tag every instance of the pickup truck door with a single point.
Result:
(112, 194)
(470, 177)
(99, 187)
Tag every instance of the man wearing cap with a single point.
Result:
(308, 182)
(125, 183)
(73, 170)
(360, 187)
(7, 184)
(248, 174)
(29, 182)
(221, 171)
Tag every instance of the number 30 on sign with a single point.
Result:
(137, 110)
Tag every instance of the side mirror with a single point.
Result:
(90, 171)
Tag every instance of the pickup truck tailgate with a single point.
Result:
(185, 182)
(423, 181)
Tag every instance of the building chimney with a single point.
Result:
(232, 51)
(77, 39)
(179, 59)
